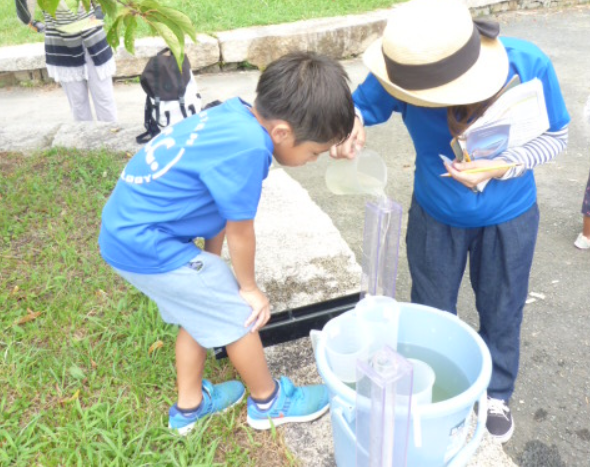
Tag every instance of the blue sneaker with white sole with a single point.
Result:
(292, 404)
(216, 399)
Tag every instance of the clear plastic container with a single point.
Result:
(346, 343)
(423, 382)
(366, 173)
(379, 315)
(381, 239)
(382, 418)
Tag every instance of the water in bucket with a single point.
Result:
(449, 379)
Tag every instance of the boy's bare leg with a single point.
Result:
(247, 356)
(586, 227)
(190, 363)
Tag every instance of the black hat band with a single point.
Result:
(432, 75)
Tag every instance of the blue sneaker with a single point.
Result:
(292, 404)
(216, 399)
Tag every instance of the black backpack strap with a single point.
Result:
(157, 107)
(182, 106)
(149, 123)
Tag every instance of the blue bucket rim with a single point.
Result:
(473, 393)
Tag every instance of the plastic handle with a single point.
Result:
(463, 456)
(315, 336)
(342, 412)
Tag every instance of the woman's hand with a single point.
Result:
(352, 145)
(37, 26)
(260, 308)
(471, 180)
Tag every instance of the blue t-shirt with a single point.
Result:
(185, 183)
(445, 199)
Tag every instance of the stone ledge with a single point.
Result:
(341, 37)
(86, 135)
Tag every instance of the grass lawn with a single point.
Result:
(215, 15)
(86, 364)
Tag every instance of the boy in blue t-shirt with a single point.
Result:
(202, 178)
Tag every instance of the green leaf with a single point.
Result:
(86, 4)
(50, 6)
(76, 372)
(148, 5)
(180, 19)
(172, 41)
(157, 17)
(131, 27)
(113, 33)
(109, 7)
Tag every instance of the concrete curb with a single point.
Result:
(340, 37)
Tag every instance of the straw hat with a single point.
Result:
(433, 54)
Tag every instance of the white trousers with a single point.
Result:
(103, 98)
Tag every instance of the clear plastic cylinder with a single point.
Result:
(381, 239)
(382, 418)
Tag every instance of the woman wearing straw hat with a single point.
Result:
(440, 69)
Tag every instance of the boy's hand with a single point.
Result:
(352, 145)
(260, 308)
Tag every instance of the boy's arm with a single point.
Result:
(241, 242)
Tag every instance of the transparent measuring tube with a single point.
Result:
(382, 419)
(381, 239)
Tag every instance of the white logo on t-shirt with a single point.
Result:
(160, 151)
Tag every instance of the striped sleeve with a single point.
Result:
(540, 150)
(25, 10)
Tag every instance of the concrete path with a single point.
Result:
(319, 236)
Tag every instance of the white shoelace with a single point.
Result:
(498, 407)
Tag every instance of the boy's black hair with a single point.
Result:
(311, 93)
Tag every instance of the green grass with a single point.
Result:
(80, 386)
(212, 16)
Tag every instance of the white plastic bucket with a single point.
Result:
(443, 425)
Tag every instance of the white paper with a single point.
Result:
(517, 117)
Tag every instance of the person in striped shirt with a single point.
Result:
(82, 62)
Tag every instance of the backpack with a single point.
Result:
(170, 95)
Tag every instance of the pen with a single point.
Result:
(466, 155)
(485, 169)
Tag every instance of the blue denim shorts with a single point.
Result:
(202, 297)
